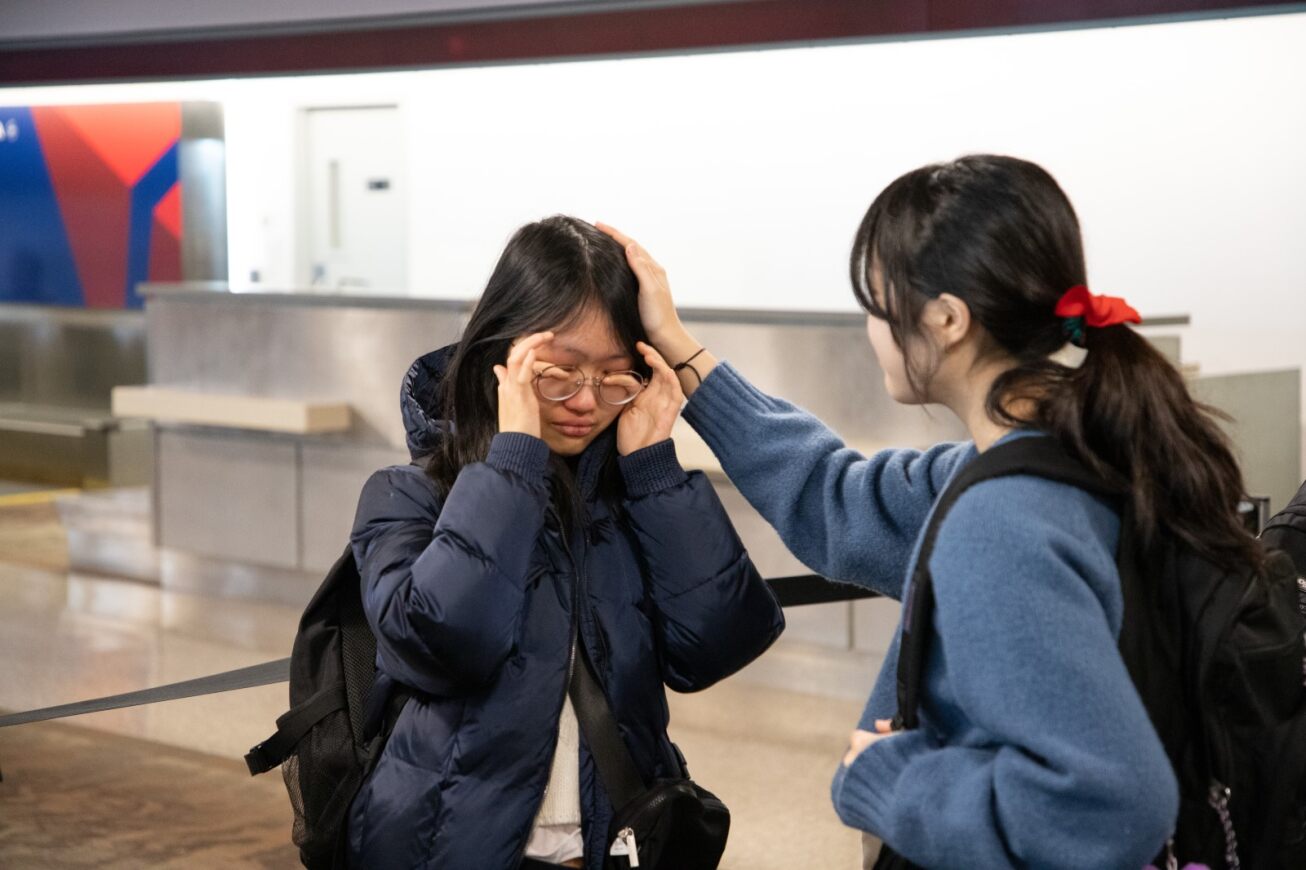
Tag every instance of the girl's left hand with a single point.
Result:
(649, 418)
(859, 740)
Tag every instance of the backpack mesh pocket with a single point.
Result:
(322, 776)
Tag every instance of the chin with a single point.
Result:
(564, 446)
(567, 446)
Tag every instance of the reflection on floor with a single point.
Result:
(162, 786)
(30, 533)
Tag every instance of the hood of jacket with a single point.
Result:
(419, 400)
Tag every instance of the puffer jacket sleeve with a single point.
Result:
(715, 612)
(443, 584)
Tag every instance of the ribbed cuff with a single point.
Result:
(651, 469)
(724, 398)
(863, 791)
(518, 453)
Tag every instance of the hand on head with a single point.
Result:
(656, 308)
(657, 311)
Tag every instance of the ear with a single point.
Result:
(947, 318)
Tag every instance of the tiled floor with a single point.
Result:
(73, 797)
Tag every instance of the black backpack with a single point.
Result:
(1286, 530)
(339, 718)
(1219, 660)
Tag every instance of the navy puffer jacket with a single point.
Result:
(471, 600)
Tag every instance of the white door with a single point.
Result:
(356, 200)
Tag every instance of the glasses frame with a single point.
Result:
(582, 382)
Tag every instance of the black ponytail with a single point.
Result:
(1000, 234)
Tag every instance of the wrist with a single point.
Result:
(674, 343)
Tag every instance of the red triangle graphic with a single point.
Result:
(168, 211)
(129, 139)
(95, 206)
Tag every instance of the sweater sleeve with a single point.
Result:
(1059, 765)
(715, 614)
(443, 585)
(844, 515)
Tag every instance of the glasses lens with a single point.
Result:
(618, 388)
(558, 382)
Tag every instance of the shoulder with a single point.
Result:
(396, 493)
(944, 459)
(1031, 512)
(1021, 527)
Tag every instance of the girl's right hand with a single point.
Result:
(519, 407)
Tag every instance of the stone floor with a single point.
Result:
(75, 797)
(162, 786)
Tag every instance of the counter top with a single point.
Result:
(221, 292)
(293, 416)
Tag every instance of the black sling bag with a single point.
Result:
(675, 824)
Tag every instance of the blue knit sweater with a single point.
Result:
(1035, 749)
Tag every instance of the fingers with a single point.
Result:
(664, 384)
(624, 240)
(657, 363)
(643, 265)
(884, 726)
(639, 259)
(526, 369)
(526, 345)
(654, 359)
(857, 742)
(501, 374)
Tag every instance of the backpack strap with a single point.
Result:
(1038, 456)
(291, 728)
(621, 778)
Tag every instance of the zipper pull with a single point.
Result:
(634, 850)
(625, 845)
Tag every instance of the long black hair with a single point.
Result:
(551, 273)
(1001, 235)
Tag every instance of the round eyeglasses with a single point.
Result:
(560, 383)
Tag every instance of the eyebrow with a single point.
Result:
(575, 352)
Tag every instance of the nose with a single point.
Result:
(583, 402)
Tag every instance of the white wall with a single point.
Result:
(1182, 145)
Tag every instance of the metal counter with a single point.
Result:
(249, 513)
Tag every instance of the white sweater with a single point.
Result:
(557, 834)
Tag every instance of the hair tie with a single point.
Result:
(1080, 309)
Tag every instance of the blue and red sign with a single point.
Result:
(90, 203)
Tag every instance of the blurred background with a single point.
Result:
(227, 229)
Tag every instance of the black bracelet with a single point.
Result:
(678, 367)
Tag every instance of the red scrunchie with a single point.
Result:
(1096, 310)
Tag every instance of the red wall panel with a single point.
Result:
(632, 31)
